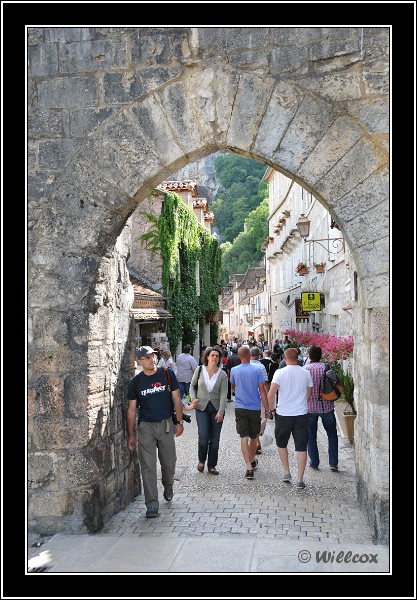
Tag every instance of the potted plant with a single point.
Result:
(301, 268)
(286, 213)
(349, 411)
(320, 267)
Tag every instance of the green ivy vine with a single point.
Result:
(183, 244)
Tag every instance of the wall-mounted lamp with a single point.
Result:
(303, 225)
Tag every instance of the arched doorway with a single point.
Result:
(104, 138)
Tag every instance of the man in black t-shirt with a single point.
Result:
(157, 395)
(266, 360)
(232, 361)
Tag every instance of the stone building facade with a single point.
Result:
(114, 111)
(285, 248)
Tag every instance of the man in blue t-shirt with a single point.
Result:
(157, 395)
(247, 381)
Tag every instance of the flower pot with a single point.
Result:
(302, 271)
(348, 425)
(319, 269)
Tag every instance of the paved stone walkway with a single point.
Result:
(238, 525)
(228, 505)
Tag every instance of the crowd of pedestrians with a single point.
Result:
(283, 385)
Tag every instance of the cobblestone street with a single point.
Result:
(230, 505)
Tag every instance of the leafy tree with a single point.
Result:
(241, 191)
(246, 250)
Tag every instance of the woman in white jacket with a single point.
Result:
(208, 393)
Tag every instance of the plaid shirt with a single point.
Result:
(316, 404)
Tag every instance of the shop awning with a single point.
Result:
(150, 314)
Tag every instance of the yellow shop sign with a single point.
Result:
(310, 301)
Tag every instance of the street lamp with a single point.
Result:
(303, 225)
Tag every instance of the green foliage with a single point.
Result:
(241, 192)
(348, 385)
(246, 251)
(183, 244)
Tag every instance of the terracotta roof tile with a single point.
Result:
(187, 185)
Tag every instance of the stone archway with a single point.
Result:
(112, 113)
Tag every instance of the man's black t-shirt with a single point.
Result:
(233, 361)
(151, 395)
(267, 362)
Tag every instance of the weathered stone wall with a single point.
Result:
(112, 112)
(145, 263)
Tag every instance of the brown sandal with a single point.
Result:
(200, 467)
(213, 471)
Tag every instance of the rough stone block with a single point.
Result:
(340, 136)
(226, 83)
(282, 106)
(370, 226)
(122, 87)
(92, 55)
(369, 193)
(39, 185)
(32, 156)
(183, 114)
(354, 167)
(153, 79)
(87, 120)
(41, 470)
(313, 119)
(56, 155)
(54, 433)
(375, 286)
(379, 328)
(46, 123)
(63, 92)
(50, 396)
(68, 34)
(227, 41)
(76, 394)
(31, 401)
(160, 48)
(249, 108)
(371, 113)
(258, 59)
(336, 87)
(375, 258)
(288, 60)
(42, 60)
(49, 504)
(129, 156)
(77, 468)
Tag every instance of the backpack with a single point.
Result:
(331, 388)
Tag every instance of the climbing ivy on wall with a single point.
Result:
(184, 244)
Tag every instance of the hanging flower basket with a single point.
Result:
(320, 267)
(302, 268)
(286, 213)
